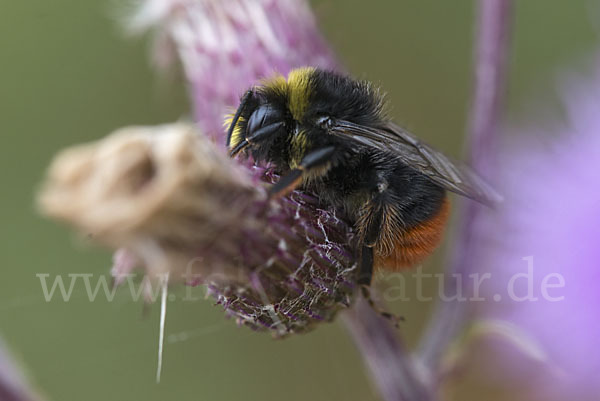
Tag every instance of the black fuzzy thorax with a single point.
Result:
(343, 98)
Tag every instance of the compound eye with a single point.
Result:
(263, 116)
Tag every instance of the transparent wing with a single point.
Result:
(453, 176)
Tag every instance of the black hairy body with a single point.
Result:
(328, 133)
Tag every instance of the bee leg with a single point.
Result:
(286, 184)
(292, 179)
(365, 274)
(394, 319)
(364, 281)
(257, 136)
(372, 229)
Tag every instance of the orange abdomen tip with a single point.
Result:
(414, 245)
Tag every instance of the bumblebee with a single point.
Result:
(328, 133)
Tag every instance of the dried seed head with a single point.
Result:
(174, 203)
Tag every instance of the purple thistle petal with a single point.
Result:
(552, 213)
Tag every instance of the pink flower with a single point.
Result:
(551, 216)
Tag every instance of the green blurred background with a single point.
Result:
(69, 75)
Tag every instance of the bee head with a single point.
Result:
(265, 122)
(259, 125)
